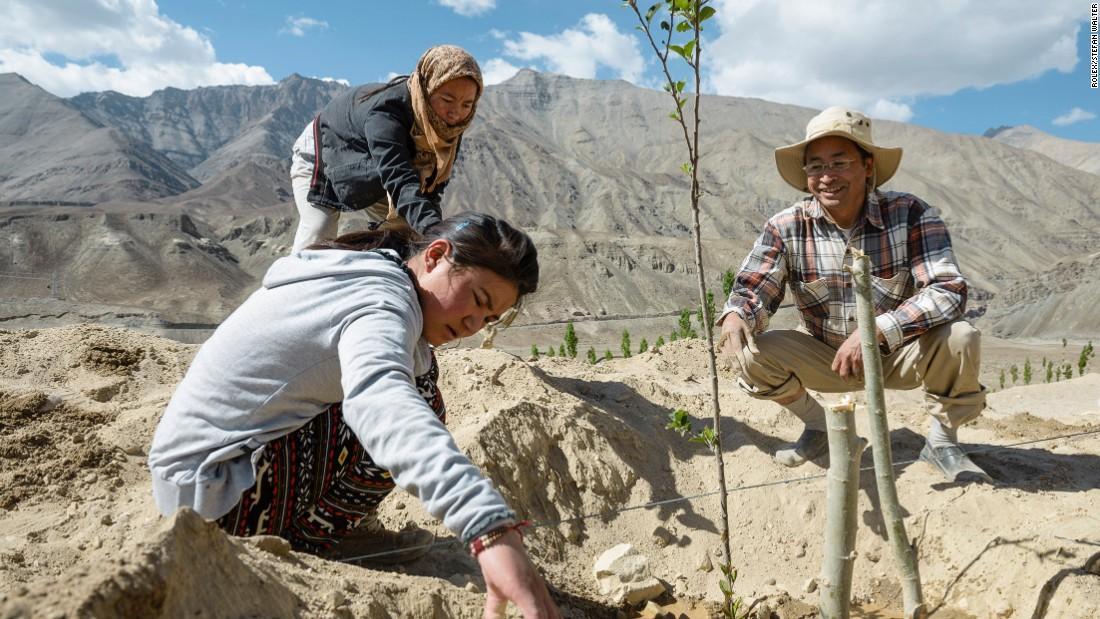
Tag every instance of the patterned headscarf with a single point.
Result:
(436, 141)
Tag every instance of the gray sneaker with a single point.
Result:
(372, 543)
(953, 463)
(810, 445)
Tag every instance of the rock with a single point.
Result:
(763, 611)
(873, 556)
(810, 586)
(770, 582)
(623, 574)
(271, 544)
(801, 552)
(662, 537)
(653, 609)
(705, 565)
(472, 587)
(458, 580)
(335, 599)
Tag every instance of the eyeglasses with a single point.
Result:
(817, 169)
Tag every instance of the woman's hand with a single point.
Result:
(510, 575)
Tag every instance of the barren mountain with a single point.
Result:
(51, 152)
(592, 167)
(1081, 155)
(207, 130)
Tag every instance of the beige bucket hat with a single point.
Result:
(842, 122)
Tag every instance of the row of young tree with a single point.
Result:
(684, 330)
(1053, 372)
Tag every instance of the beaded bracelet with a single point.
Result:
(486, 540)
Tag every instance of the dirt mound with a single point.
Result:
(581, 449)
(186, 569)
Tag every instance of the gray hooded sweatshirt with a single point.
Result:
(327, 326)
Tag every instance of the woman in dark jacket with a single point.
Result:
(388, 150)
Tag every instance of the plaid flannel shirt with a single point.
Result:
(915, 280)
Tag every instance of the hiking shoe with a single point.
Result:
(372, 543)
(810, 445)
(953, 463)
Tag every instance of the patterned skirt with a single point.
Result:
(315, 485)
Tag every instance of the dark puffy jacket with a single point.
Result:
(366, 150)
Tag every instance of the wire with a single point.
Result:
(679, 499)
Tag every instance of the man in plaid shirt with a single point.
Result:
(919, 294)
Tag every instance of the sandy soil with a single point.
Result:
(79, 536)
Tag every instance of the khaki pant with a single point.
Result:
(944, 362)
(317, 223)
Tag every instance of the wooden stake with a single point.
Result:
(841, 497)
(880, 440)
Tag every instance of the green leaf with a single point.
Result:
(683, 26)
(665, 26)
(686, 168)
(706, 13)
(680, 86)
(705, 436)
(652, 11)
(689, 47)
(681, 5)
(674, 116)
(676, 48)
(679, 422)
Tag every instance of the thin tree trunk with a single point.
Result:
(840, 512)
(880, 441)
(708, 319)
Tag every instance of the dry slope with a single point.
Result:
(79, 537)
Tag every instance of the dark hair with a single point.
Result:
(479, 240)
(377, 88)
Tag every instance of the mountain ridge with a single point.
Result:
(598, 159)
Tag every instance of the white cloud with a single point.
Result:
(889, 110)
(297, 26)
(880, 56)
(337, 80)
(122, 45)
(1075, 115)
(580, 51)
(497, 70)
(469, 8)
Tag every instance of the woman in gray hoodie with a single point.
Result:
(252, 439)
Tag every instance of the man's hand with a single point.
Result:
(510, 575)
(848, 361)
(735, 336)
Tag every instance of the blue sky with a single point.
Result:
(954, 65)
